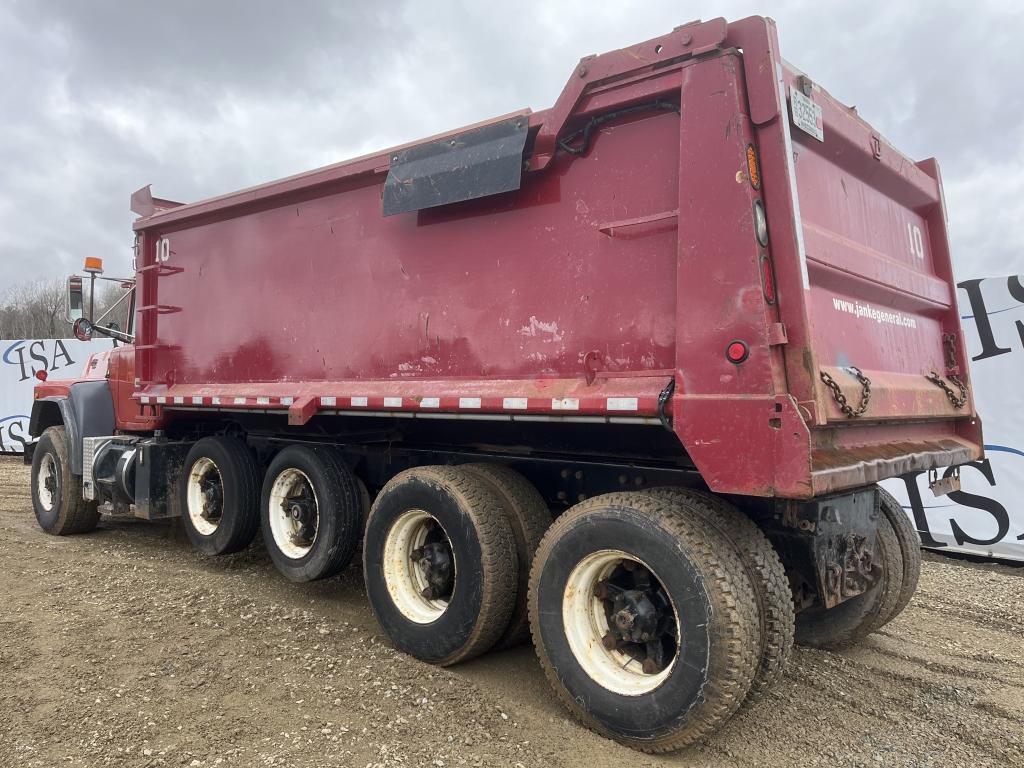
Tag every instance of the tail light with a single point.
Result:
(767, 280)
(737, 351)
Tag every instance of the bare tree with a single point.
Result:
(35, 309)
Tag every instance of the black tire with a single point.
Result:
(333, 503)
(695, 567)
(220, 526)
(475, 610)
(851, 621)
(529, 517)
(66, 512)
(767, 576)
(910, 549)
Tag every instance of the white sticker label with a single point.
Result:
(807, 114)
(430, 402)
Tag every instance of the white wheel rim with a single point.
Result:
(203, 519)
(47, 469)
(403, 575)
(285, 527)
(585, 623)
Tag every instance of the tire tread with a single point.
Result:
(731, 669)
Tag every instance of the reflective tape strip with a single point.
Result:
(622, 404)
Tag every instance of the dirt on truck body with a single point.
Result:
(617, 377)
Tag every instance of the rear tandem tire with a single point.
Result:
(853, 620)
(219, 492)
(529, 516)
(439, 560)
(56, 492)
(313, 483)
(910, 548)
(767, 575)
(619, 546)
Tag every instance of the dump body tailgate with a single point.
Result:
(881, 321)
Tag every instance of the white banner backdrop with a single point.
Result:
(60, 358)
(986, 517)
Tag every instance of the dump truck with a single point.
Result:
(620, 376)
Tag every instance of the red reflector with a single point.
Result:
(767, 280)
(737, 351)
(41, 375)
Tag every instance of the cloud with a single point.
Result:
(200, 98)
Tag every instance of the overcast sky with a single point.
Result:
(98, 98)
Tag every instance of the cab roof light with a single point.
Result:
(93, 265)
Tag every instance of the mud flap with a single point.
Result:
(829, 545)
(475, 163)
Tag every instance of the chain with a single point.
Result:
(949, 340)
(837, 393)
(958, 401)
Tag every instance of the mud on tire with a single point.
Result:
(667, 703)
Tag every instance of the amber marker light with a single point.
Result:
(93, 265)
(753, 172)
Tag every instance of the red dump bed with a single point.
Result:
(616, 252)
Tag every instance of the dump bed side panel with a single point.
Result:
(525, 285)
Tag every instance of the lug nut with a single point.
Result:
(610, 642)
(649, 666)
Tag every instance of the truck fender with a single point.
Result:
(87, 411)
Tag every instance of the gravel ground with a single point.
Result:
(124, 647)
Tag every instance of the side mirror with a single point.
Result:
(74, 300)
(82, 329)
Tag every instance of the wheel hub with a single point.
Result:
(213, 499)
(301, 510)
(50, 480)
(434, 559)
(640, 619)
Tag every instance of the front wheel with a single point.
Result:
(644, 620)
(56, 492)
